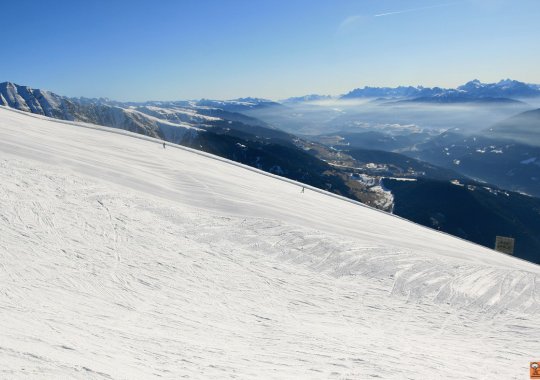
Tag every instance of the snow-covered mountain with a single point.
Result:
(387, 92)
(96, 111)
(36, 101)
(504, 89)
(174, 121)
(121, 259)
(238, 105)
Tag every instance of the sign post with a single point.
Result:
(504, 244)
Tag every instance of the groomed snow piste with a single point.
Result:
(120, 259)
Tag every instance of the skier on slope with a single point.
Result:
(163, 145)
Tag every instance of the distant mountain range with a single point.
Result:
(237, 105)
(504, 89)
(453, 98)
(306, 98)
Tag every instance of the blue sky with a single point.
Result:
(186, 49)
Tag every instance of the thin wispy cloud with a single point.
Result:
(350, 23)
(414, 9)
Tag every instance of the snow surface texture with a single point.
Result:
(121, 259)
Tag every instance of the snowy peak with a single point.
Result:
(32, 100)
(473, 84)
(97, 111)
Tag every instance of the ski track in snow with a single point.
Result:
(123, 260)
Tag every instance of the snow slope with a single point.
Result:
(121, 259)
